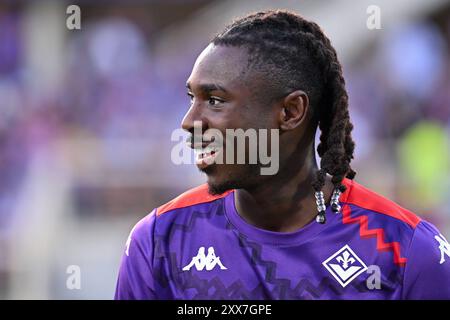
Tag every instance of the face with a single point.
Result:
(222, 93)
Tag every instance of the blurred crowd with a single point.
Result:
(400, 103)
(108, 120)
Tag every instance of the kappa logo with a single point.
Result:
(345, 265)
(444, 246)
(202, 261)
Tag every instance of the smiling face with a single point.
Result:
(274, 70)
(224, 96)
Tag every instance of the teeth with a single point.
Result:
(202, 153)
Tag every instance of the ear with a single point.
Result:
(294, 109)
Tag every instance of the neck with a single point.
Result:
(284, 202)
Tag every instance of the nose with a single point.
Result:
(193, 118)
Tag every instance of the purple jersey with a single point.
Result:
(198, 247)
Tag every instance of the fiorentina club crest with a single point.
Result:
(345, 265)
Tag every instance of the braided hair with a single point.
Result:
(294, 53)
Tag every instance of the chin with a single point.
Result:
(218, 189)
(217, 186)
(221, 181)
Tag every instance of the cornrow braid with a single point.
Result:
(294, 53)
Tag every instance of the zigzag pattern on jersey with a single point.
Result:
(304, 285)
(377, 233)
(215, 289)
(283, 287)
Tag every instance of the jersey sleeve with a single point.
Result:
(427, 273)
(135, 280)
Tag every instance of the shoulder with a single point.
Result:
(427, 273)
(185, 210)
(363, 199)
(415, 243)
(192, 197)
(177, 210)
(379, 218)
(140, 235)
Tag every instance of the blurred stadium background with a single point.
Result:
(86, 117)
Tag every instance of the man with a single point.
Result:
(301, 233)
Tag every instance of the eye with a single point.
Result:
(213, 101)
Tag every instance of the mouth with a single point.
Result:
(206, 151)
(206, 156)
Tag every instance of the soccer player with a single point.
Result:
(302, 233)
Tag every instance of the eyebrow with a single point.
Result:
(208, 87)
